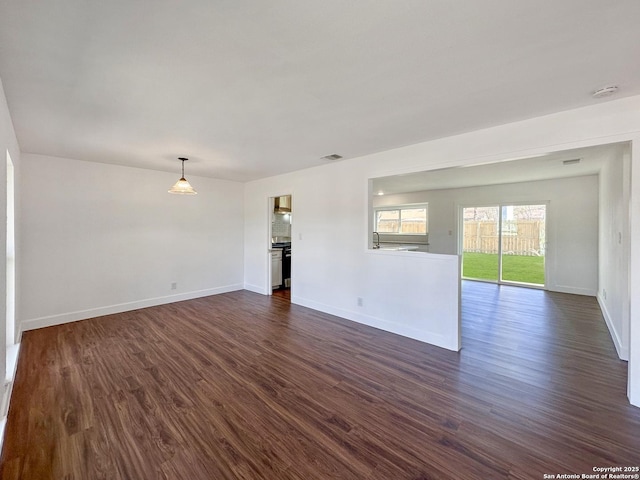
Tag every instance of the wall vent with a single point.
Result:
(605, 91)
(571, 162)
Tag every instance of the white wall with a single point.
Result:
(100, 238)
(8, 143)
(633, 386)
(330, 266)
(613, 292)
(572, 223)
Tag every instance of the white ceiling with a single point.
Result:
(543, 167)
(252, 88)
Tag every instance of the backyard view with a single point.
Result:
(520, 237)
(515, 268)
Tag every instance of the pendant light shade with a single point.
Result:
(182, 187)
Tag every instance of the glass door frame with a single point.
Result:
(499, 206)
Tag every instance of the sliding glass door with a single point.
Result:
(480, 250)
(504, 244)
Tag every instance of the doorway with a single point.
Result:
(281, 212)
(505, 244)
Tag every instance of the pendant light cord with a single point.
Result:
(182, 159)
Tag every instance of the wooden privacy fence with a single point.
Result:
(519, 237)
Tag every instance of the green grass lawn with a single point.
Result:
(515, 268)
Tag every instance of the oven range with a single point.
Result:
(286, 263)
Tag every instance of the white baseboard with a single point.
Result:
(4, 405)
(573, 290)
(50, 320)
(379, 323)
(623, 352)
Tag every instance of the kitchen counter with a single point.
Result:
(403, 247)
(399, 248)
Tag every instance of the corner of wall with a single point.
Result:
(623, 351)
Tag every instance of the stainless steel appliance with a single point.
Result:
(286, 266)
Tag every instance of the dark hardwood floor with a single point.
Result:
(284, 293)
(244, 386)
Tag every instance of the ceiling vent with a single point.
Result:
(605, 91)
(333, 156)
(573, 161)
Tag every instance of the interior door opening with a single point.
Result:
(280, 246)
(505, 244)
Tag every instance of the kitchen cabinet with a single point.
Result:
(276, 268)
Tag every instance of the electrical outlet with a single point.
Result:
(360, 301)
(174, 285)
(604, 293)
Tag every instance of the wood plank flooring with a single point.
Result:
(244, 386)
(284, 293)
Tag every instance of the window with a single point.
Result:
(407, 220)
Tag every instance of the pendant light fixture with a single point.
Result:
(182, 187)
